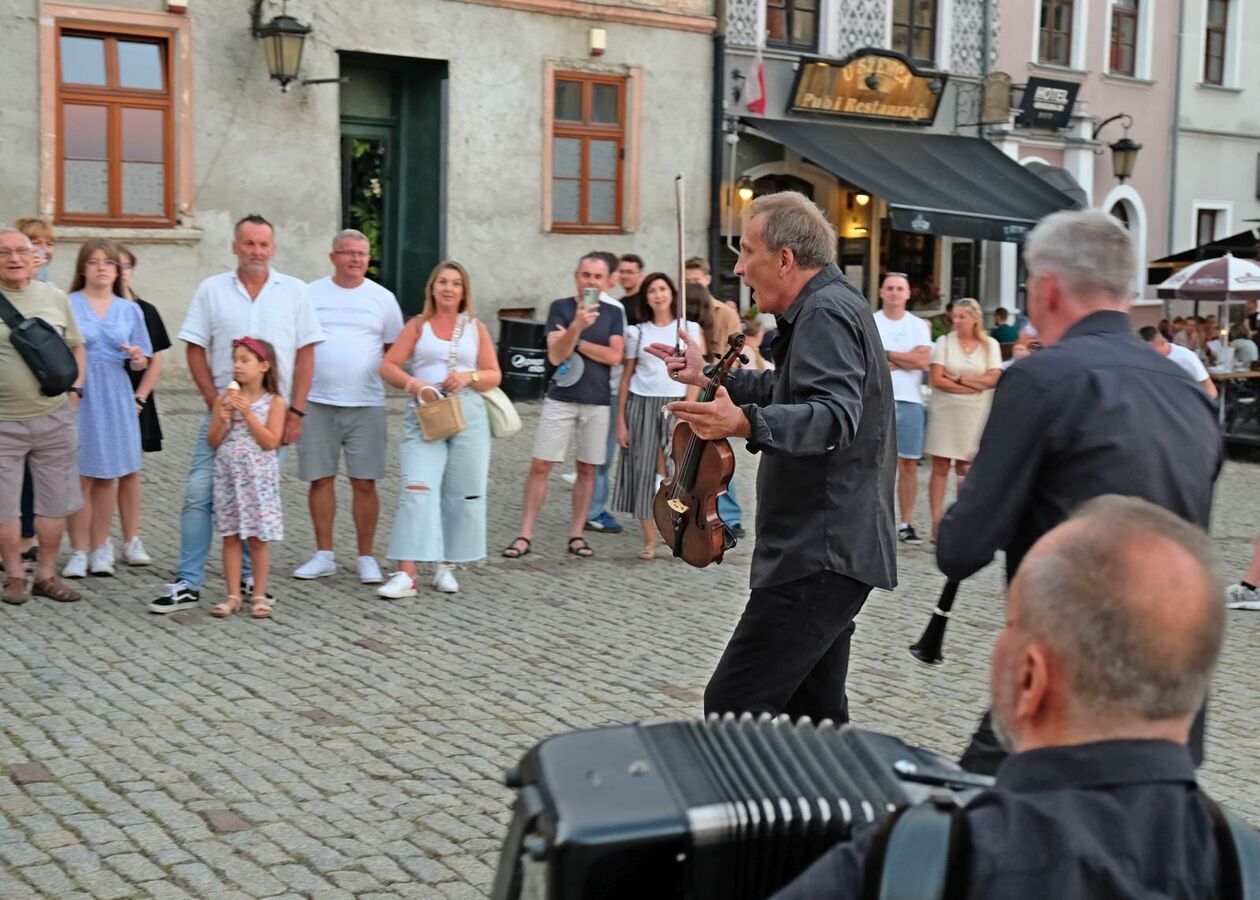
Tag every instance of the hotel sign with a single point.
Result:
(870, 84)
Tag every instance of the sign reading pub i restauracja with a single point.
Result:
(869, 84)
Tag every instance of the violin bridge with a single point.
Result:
(678, 506)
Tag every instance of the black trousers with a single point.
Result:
(790, 651)
(28, 504)
(984, 754)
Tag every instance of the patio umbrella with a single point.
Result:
(1225, 278)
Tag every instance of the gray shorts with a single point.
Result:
(560, 421)
(49, 444)
(327, 430)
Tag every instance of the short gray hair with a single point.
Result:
(1088, 250)
(351, 233)
(7, 229)
(1118, 637)
(793, 221)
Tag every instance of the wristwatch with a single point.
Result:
(75, 389)
(475, 377)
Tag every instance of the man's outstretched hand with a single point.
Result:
(685, 369)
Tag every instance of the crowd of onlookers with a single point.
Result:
(282, 363)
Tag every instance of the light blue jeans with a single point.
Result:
(442, 499)
(196, 520)
(599, 499)
(728, 506)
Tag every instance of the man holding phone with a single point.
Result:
(584, 345)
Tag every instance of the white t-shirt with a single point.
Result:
(1188, 360)
(901, 336)
(651, 378)
(358, 323)
(222, 311)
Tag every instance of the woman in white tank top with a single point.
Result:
(441, 520)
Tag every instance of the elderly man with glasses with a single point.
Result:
(35, 429)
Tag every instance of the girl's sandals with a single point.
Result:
(227, 607)
(579, 547)
(260, 608)
(648, 552)
(514, 552)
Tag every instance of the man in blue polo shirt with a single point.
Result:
(584, 342)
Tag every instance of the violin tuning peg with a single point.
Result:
(743, 360)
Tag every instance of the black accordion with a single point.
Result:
(726, 808)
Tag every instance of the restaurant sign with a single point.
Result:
(869, 84)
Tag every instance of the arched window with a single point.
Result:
(1121, 211)
(773, 184)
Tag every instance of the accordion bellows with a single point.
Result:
(727, 808)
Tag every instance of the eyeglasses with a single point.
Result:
(352, 254)
(126, 267)
(6, 252)
(101, 263)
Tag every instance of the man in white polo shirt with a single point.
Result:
(345, 410)
(1187, 359)
(252, 300)
(908, 342)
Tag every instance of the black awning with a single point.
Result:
(934, 183)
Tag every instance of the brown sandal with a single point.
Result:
(15, 592)
(54, 589)
(227, 607)
(514, 552)
(260, 608)
(579, 547)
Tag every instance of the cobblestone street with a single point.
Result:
(354, 747)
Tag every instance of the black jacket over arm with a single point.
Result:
(824, 422)
(1100, 412)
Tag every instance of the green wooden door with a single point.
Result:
(391, 166)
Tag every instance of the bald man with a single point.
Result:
(1113, 627)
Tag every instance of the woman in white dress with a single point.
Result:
(965, 367)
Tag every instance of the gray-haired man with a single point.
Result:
(1094, 413)
(345, 410)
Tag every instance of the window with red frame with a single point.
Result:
(1214, 51)
(114, 128)
(1124, 26)
(588, 152)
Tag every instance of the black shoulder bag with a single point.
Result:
(43, 349)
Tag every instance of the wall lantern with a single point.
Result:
(862, 199)
(1124, 151)
(744, 188)
(282, 39)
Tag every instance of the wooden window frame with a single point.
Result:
(789, 13)
(1045, 35)
(1215, 219)
(1116, 54)
(585, 131)
(115, 99)
(1208, 30)
(912, 29)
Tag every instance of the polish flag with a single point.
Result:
(757, 77)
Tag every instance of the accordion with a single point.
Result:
(726, 808)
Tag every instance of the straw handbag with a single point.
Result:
(444, 417)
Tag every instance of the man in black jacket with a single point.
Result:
(1113, 626)
(823, 421)
(1095, 413)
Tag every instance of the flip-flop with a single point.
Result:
(578, 547)
(514, 552)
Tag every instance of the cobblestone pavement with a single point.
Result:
(354, 746)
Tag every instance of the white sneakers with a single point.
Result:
(134, 554)
(320, 565)
(369, 571)
(101, 562)
(1239, 596)
(444, 580)
(76, 566)
(399, 585)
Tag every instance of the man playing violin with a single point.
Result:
(824, 421)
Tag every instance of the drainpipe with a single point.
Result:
(715, 140)
(1176, 127)
(986, 38)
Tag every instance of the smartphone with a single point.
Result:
(590, 297)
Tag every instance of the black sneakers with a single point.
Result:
(178, 596)
(906, 535)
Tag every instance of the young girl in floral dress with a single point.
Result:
(245, 430)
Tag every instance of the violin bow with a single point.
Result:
(681, 298)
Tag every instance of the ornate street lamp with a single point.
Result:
(282, 39)
(1124, 151)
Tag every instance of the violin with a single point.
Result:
(685, 506)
